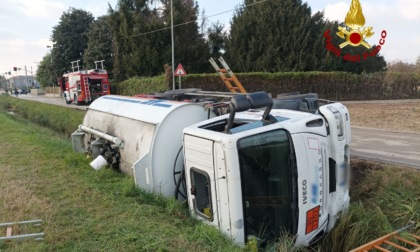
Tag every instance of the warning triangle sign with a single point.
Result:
(179, 71)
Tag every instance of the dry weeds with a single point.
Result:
(391, 115)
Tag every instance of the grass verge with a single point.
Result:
(384, 198)
(60, 119)
(85, 210)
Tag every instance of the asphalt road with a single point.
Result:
(50, 99)
(401, 148)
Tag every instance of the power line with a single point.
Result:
(192, 21)
(177, 25)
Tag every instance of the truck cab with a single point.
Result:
(259, 173)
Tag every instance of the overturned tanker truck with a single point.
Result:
(251, 167)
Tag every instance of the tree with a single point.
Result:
(45, 72)
(70, 39)
(190, 46)
(98, 47)
(285, 36)
(402, 67)
(331, 62)
(216, 37)
(142, 38)
(281, 35)
(139, 50)
(3, 82)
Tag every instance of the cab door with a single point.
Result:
(200, 178)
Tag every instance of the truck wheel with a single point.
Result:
(65, 98)
(75, 100)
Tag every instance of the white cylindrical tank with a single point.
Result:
(151, 133)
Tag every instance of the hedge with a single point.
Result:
(141, 85)
(328, 85)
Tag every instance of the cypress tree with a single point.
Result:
(191, 49)
(98, 47)
(276, 35)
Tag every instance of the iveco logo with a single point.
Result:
(304, 192)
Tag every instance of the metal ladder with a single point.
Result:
(9, 231)
(234, 87)
(392, 241)
(87, 91)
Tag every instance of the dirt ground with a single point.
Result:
(399, 115)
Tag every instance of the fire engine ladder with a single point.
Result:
(87, 91)
(19, 225)
(392, 241)
(231, 82)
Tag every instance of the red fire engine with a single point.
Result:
(84, 86)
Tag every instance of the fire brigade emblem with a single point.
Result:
(352, 32)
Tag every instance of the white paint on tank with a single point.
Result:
(151, 131)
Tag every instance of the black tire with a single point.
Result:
(65, 98)
(75, 100)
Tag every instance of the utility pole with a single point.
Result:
(50, 49)
(172, 37)
(26, 80)
(32, 80)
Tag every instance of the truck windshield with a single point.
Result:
(266, 184)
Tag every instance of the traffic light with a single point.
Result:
(14, 68)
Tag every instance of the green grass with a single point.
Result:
(384, 198)
(60, 119)
(85, 210)
(82, 209)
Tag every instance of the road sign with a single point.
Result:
(179, 71)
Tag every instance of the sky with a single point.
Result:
(26, 25)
